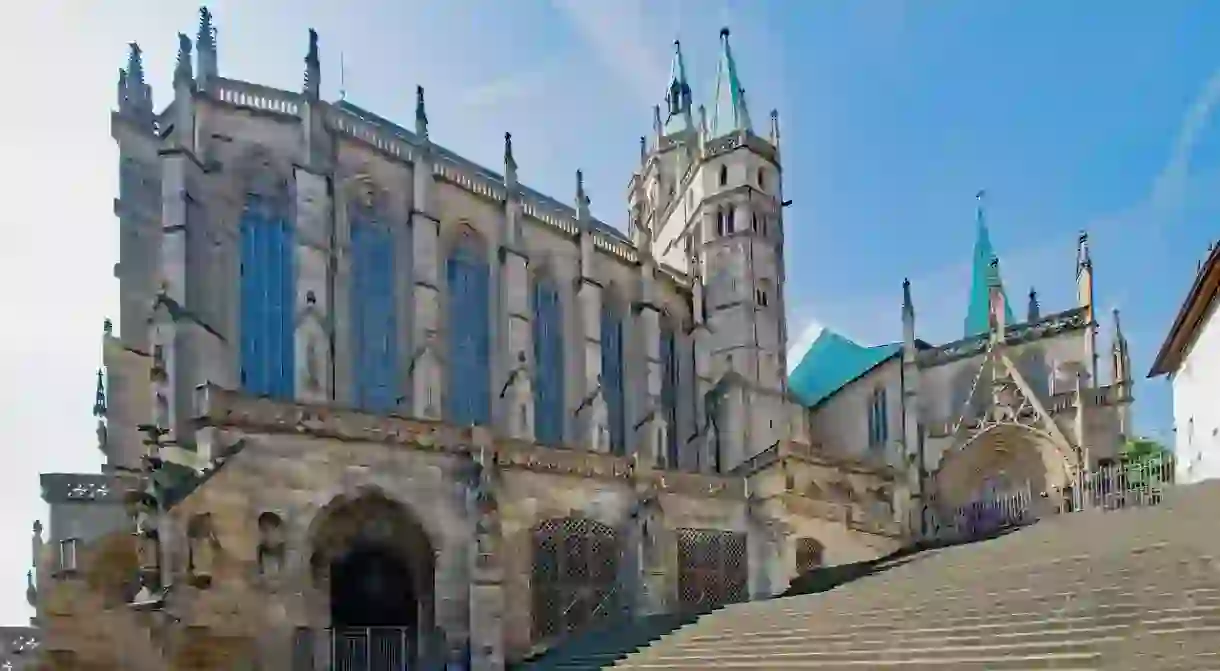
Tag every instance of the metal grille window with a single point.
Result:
(573, 578)
(267, 288)
(809, 554)
(713, 568)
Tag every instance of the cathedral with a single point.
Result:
(368, 400)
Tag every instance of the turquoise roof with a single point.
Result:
(982, 276)
(831, 363)
(677, 95)
(729, 113)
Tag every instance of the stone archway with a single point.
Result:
(1000, 459)
(373, 566)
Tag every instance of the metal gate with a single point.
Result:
(573, 578)
(713, 568)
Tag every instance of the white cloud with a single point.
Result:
(510, 88)
(1169, 190)
(619, 34)
(807, 332)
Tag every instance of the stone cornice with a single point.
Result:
(788, 450)
(222, 408)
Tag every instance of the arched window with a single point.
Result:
(374, 329)
(548, 363)
(612, 374)
(575, 565)
(724, 175)
(730, 223)
(762, 178)
(669, 391)
(266, 299)
(468, 397)
(878, 420)
(720, 223)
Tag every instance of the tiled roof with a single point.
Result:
(831, 363)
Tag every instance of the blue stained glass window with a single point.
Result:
(374, 317)
(669, 392)
(612, 376)
(548, 363)
(469, 393)
(266, 297)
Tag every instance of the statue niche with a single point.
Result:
(270, 545)
(201, 547)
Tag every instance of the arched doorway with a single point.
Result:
(374, 569)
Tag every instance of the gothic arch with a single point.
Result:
(463, 236)
(366, 520)
(260, 172)
(1004, 455)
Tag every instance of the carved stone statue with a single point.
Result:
(270, 544)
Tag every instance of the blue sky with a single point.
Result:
(894, 114)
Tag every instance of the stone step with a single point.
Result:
(1086, 661)
(1099, 598)
(1033, 628)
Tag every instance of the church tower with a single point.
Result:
(709, 191)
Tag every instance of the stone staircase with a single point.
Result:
(1134, 590)
(603, 646)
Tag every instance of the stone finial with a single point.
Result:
(205, 45)
(421, 114)
(657, 128)
(99, 397)
(183, 72)
(107, 326)
(205, 37)
(313, 68)
(908, 306)
(510, 163)
(135, 65)
(775, 128)
(643, 150)
(582, 199)
(1034, 311)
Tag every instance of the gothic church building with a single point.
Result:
(365, 392)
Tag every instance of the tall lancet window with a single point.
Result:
(612, 374)
(548, 362)
(468, 397)
(374, 330)
(266, 297)
(669, 390)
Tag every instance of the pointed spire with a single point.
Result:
(313, 68)
(99, 397)
(658, 129)
(1035, 312)
(677, 95)
(421, 115)
(1120, 352)
(205, 45)
(908, 306)
(729, 112)
(135, 65)
(121, 98)
(183, 71)
(775, 128)
(582, 199)
(510, 163)
(643, 150)
(983, 274)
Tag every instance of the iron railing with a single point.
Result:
(1125, 484)
(357, 649)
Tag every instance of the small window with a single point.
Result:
(729, 223)
(724, 175)
(762, 178)
(720, 223)
(761, 296)
(754, 222)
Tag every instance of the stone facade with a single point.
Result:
(346, 354)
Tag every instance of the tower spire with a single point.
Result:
(183, 72)
(729, 112)
(1034, 312)
(983, 274)
(677, 95)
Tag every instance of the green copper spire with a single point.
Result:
(729, 113)
(677, 95)
(983, 274)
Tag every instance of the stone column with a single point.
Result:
(768, 548)
(592, 414)
(651, 434)
(651, 543)
(516, 353)
(314, 364)
(486, 572)
(424, 365)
